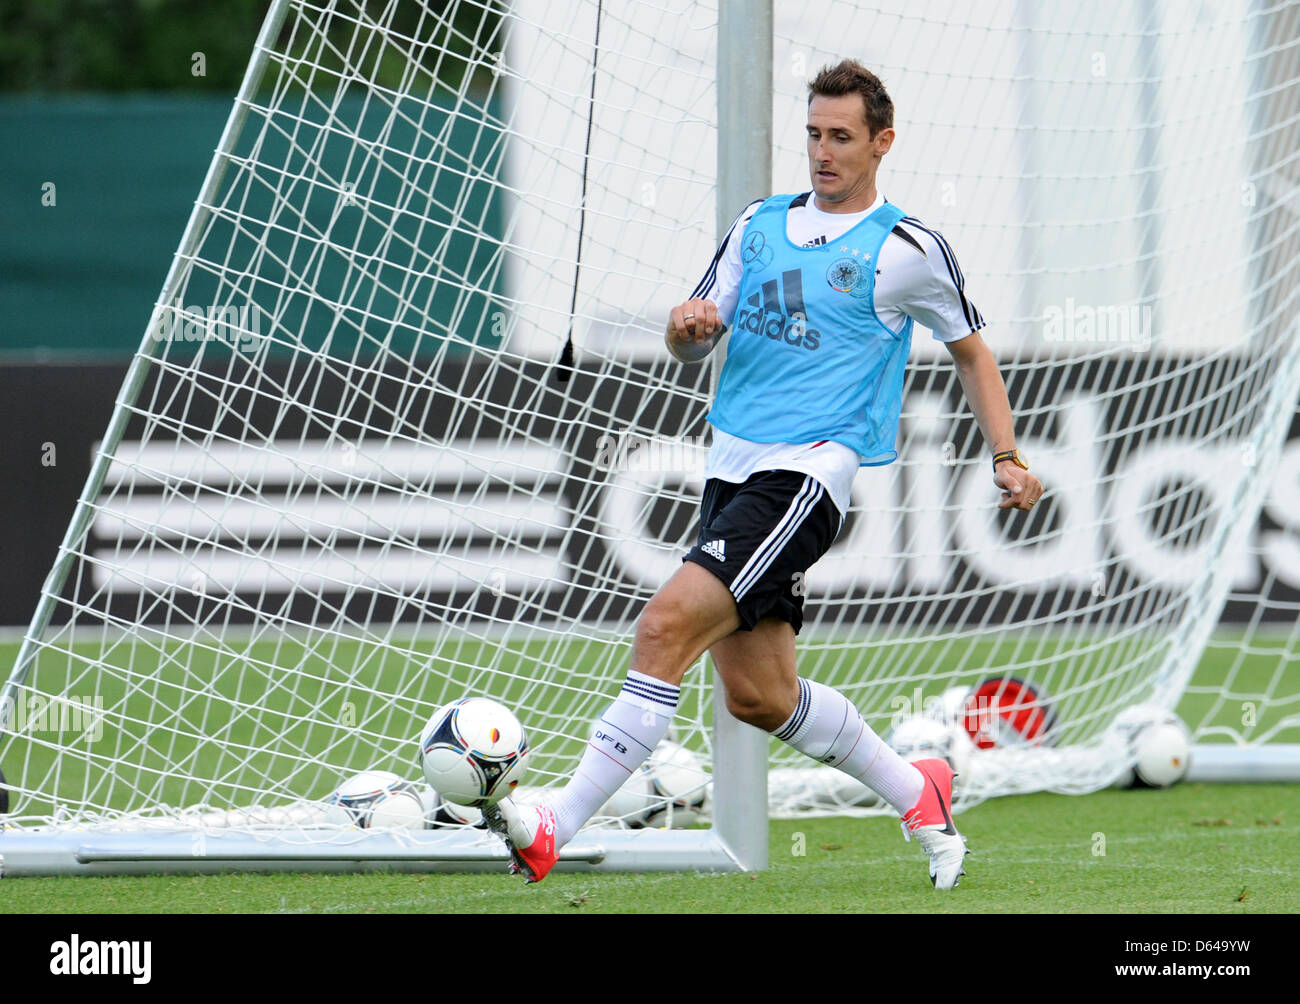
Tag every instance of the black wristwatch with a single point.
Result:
(1012, 455)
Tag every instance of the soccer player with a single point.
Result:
(820, 291)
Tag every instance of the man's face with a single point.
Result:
(842, 155)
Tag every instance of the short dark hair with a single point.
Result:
(851, 77)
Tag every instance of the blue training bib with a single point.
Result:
(808, 359)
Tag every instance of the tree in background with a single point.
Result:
(148, 45)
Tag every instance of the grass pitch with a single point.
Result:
(1227, 849)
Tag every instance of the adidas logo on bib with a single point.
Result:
(717, 548)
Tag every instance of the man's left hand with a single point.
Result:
(1020, 489)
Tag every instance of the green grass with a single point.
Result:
(1191, 849)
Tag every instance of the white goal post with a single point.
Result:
(351, 475)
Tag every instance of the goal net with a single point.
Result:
(350, 476)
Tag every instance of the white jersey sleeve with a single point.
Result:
(721, 281)
(931, 289)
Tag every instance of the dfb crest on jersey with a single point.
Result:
(844, 275)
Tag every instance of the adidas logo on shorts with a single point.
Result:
(717, 548)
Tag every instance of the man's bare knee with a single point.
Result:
(766, 711)
(758, 670)
(659, 629)
(674, 629)
(749, 707)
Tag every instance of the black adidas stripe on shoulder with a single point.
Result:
(706, 284)
(898, 231)
(973, 317)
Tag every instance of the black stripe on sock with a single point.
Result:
(635, 690)
(800, 712)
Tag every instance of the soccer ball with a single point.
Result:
(1158, 745)
(1006, 712)
(375, 799)
(439, 813)
(920, 737)
(473, 752)
(950, 706)
(670, 789)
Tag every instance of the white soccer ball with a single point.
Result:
(1157, 744)
(950, 707)
(374, 800)
(473, 752)
(439, 813)
(670, 789)
(920, 737)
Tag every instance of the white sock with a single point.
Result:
(621, 739)
(828, 728)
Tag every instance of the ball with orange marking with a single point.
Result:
(474, 751)
(1155, 743)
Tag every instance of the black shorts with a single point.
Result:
(761, 537)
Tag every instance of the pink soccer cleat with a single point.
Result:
(930, 821)
(529, 835)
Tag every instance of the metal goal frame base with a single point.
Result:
(191, 852)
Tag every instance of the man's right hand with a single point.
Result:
(693, 328)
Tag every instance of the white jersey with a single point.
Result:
(917, 276)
